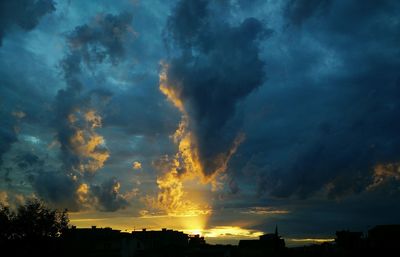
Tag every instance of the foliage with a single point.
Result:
(33, 220)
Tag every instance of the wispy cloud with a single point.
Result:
(264, 211)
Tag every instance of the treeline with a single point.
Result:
(32, 229)
(33, 220)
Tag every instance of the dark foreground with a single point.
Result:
(105, 242)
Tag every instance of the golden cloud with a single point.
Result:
(86, 143)
(176, 171)
(383, 173)
(136, 165)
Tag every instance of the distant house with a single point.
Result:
(99, 242)
(163, 242)
(267, 245)
(196, 240)
(348, 239)
(384, 236)
(156, 239)
(108, 242)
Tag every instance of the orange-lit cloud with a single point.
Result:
(86, 143)
(82, 193)
(383, 173)
(185, 165)
(232, 232)
(13, 200)
(172, 94)
(172, 198)
(176, 172)
(4, 198)
(136, 165)
(264, 211)
(93, 119)
(187, 159)
(131, 194)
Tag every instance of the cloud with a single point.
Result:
(172, 198)
(7, 134)
(384, 173)
(57, 188)
(27, 159)
(4, 198)
(185, 23)
(11, 122)
(136, 165)
(213, 67)
(330, 119)
(77, 195)
(22, 13)
(77, 111)
(297, 11)
(231, 232)
(108, 197)
(86, 144)
(264, 211)
(210, 75)
(102, 40)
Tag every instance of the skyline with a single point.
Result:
(224, 118)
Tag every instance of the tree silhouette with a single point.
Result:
(6, 220)
(33, 220)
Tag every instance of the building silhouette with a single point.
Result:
(348, 239)
(381, 240)
(196, 241)
(384, 237)
(160, 243)
(98, 242)
(267, 245)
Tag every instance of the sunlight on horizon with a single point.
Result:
(195, 225)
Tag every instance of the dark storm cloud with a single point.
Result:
(63, 191)
(47, 182)
(57, 188)
(218, 65)
(126, 111)
(10, 122)
(108, 196)
(334, 119)
(7, 134)
(27, 159)
(187, 20)
(15, 111)
(298, 11)
(103, 38)
(25, 14)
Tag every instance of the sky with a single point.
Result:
(226, 117)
